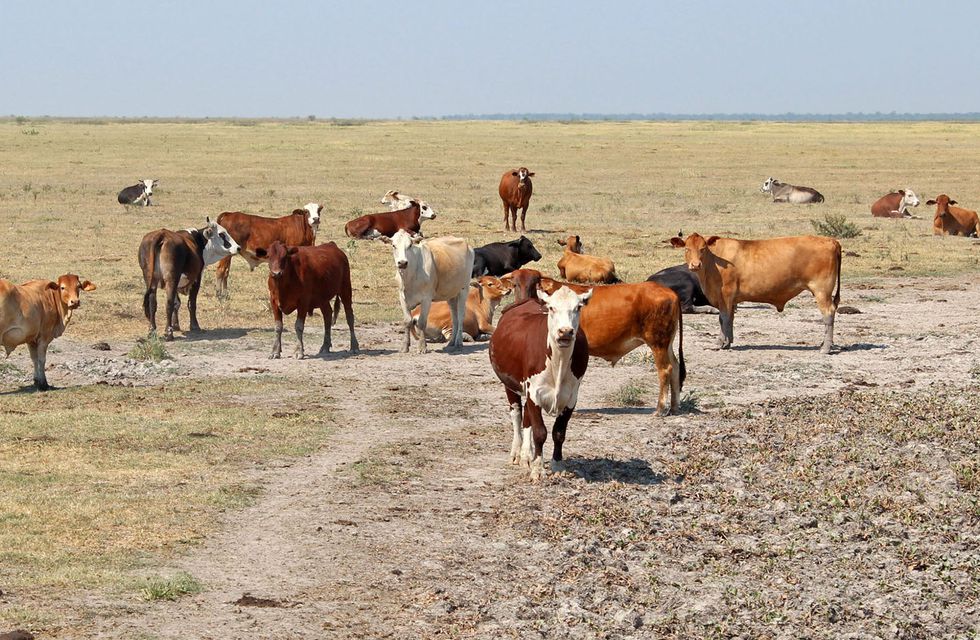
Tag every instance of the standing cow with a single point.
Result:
(515, 192)
(138, 194)
(782, 192)
(895, 205)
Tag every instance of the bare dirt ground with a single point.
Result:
(806, 496)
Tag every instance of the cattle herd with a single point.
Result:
(449, 291)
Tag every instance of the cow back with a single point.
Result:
(451, 265)
(315, 276)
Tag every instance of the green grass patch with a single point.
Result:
(629, 395)
(835, 226)
(176, 586)
(149, 349)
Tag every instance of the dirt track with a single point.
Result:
(762, 514)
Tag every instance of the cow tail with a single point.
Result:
(819, 197)
(336, 309)
(149, 274)
(414, 328)
(837, 292)
(680, 342)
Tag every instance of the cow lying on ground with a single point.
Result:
(303, 279)
(515, 192)
(430, 270)
(499, 258)
(376, 225)
(622, 317)
(481, 303)
(540, 355)
(895, 205)
(953, 221)
(575, 266)
(175, 261)
(684, 283)
(138, 194)
(253, 232)
(782, 192)
(771, 271)
(397, 200)
(37, 312)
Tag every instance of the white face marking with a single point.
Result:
(910, 199)
(564, 308)
(389, 196)
(148, 186)
(403, 248)
(767, 185)
(522, 175)
(425, 211)
(219, 243)
(313, 216)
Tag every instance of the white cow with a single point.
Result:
(428, 270)
(397, 201)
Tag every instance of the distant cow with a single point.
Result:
(376, 225)
(540, 355)
(684, 283)
(953, 221)
(782, 192)
(622, 317)
(515, 192)
(175, 260)
(397, 200)
(770, 271)
(37, 312)
(895, 205)
(482, 301)
(429, 270)
(578, 267)
(138, 194)
(499, 258)
(253, 232)
(303, 279)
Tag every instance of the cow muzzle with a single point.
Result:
(74, 304)
(402, 264)
(275, 274)
(694, 266)
(565, 337)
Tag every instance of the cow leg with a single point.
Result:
(513, 218)
(558, 438)
(192, 304)
(173, 303)
(506, 217)
(514, 400)
(327, 326)
(726, 318)
(457, 309)
(150, 308)
(221, 276)
(534, 428)
(523, 213)
(829, 310)
(668, 374)
(349, 315)
(407, 314)
(39, 352)
(422, 320)
(277, 341)
(300, 352)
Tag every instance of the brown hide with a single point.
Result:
(387, 223)
(953, 221)
(253, 232)
(480, 305)
(575, 266)
(887, 206)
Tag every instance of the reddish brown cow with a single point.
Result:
(515, 192)
(895, 205)
(302, 279)
(540, 354)
(622, 317)
(953, 221)
(388, 223)
(257, 232)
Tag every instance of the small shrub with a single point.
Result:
(690, 402)
(31, 132)
(172, 588)
(836, 226)
(151, 348)
(629, 395)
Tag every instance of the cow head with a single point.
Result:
(313, 211)
(69, 287)
(493, 288)
(218, 242)
(572, 243)
(942, 203)
(523, 282)
(278, 256)
(522, 175)
(393, 199)
(148, 186)
(564, 308)
(694, 247)
(425, 211)
(404, 248)
(526, 252)
(767, 185)
(909, 199)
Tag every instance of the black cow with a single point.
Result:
(685, 284)
(138, 194)
(499, 258)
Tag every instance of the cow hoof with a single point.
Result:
(299, 356)
(42, 386)
(323, 352)
(452, 348)
(274, 356)
(826, 350)
(168, 337)
(354, 350)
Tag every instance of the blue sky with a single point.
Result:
(402, 59)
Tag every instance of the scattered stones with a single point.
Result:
(102, 346)
(844, 309)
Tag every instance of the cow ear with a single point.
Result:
(319, 209)
(677, 242)
(261, 253)
(417, 238)
(156, 182)
(712, 240)
(292, 251)
(953, 202)
(901, 191)
(88, 286)
(513, 173)
(578, 240)
(584, 298)
(530, 174)
(542, 296)
(930, 202)
(53, 285)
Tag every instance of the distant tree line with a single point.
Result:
(763, 117)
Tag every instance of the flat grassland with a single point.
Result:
(703, 524)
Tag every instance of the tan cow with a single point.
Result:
(481, 303)
(770, 271)
(575, 266)
(953, 221)
(37, 312)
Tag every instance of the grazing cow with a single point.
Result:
(499, 258)
(137, 194)
(515, 192)
(302, 279)
(37, 312)
(622, 317)
(397, 200)
(540, 354)
(430, 270)
(578, 267)
(782, 192)
(376, 225)
(175, 261)
(685, 284)
(895, 205)
(772, 271)
(953, 221)
(257, 232)
(481, 303)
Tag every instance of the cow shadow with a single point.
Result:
(30, 388)
(863, 346)
(216, 334)
(632, 471)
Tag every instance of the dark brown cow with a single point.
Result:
(388, 223)
(622, 317)
(175, 261)
(515, 192)
(540, 354)
(303, 279)
(895, 205)
(953, 221)
(257, 232)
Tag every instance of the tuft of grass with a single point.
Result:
(149, 349)
(176, 586)
(629, 395)
(690, 402)
(975, 372)
(836, 226)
